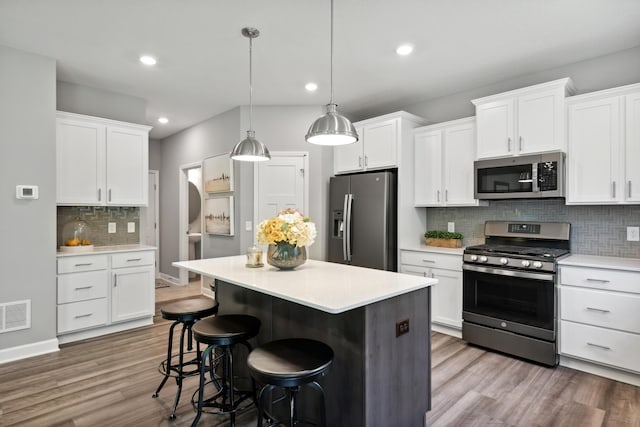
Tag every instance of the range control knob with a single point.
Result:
(483, 259)
(504, 261)
(525, 263)
(473, 258)
(537, 264)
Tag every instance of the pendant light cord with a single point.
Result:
(251, 83)
(331, 73)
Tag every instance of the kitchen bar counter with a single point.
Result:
(379, 377)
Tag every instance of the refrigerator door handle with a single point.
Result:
(345, 226)
(347, 236)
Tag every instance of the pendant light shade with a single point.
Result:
(250, 149)
(332, 128)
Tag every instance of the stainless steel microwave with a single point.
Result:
(523, 177)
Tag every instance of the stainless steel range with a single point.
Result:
(509, 288)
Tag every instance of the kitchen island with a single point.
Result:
(380, 375)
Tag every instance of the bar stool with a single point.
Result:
(185, 312)
(290, 364)
(222, 333)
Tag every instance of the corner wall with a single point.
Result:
(28, 227)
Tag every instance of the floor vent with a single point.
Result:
(15, 315)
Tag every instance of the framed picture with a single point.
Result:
(218, 215)
(218, 174)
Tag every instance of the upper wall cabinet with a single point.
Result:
(378, 144)
(100, 162)
(444, 155)
(604, 147)
(523, 121)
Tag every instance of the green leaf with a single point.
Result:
(438, 234)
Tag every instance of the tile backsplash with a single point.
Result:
(97, 219)
(595, 230)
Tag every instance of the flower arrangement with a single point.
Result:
(289, 227)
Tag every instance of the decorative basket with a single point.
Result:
(444, 243)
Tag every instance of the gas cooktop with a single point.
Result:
(549, 253)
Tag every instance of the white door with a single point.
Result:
(127, 166)
(540, 117)
(132, 293)
(281, 183)
(459, 154)
(495, 129)
(149, 219)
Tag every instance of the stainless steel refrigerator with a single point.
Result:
(362, 214)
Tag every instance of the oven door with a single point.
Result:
(521, 302)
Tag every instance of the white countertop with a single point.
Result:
(109, 249)
(434, 249)
(330, 287)
(614, 263)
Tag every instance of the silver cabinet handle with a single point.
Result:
(613, 189)
(420, 273)
(604, 347)
(115, 280)
(599, 310)
(446, 195)
(442, 275)
(438, 195)
(99, 194)
(84, 264)
(79, 316)
(134, 259)
(629, 188)
(521, 143)
(359, 161)
(597, 280)
(83, 287)
(509, 144)
(109, 194)
(427, 260)
(366, 161)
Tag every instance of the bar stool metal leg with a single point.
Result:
(169, 351)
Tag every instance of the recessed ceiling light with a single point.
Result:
(404, 49)
(148, 60)
(163, 120)
(311, 87)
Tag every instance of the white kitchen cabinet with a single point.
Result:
(523, 121)
(104, 293)
(444, 155)
(378, 145)
(100, 162)
(603, 135)
(599, 313)
(446, 296)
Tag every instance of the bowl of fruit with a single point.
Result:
(75, 237)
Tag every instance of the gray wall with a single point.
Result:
(28, 227)
(604, 72)
(155, 154)
(281, 129)
(80, 99)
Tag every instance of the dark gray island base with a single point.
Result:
(377, 379)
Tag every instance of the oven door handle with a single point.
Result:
(510, 273)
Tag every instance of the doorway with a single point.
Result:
(190, 218)
(150, 218)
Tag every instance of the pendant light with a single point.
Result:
(332, 128)
(250, 149)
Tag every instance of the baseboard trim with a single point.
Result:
(28, 350)
(104, 330)
(170, 279)
(447, 330)
(600, 370)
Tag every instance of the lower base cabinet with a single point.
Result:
(446, 296)
(99, 294)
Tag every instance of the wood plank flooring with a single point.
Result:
(109, 382)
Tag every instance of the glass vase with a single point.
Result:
(286, 256)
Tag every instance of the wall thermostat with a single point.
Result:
(26, 191)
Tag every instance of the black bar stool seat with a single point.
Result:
(185, 312)
(290, 364)
(221, 333)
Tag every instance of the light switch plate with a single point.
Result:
(633, 234)
(112, 227)
(131, 227)
(451, 227)
(248, 225)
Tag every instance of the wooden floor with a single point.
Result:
(109, 382)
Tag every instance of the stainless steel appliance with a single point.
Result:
(534, 176)
(362, 214)
(509, 288)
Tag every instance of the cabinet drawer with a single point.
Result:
(82, 315)
(614, 280)
(132, 259)
(415, 270)
(430, 259)
(82, 286)
(75, 264)
(614, 348)
(601, 308)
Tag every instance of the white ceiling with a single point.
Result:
(203, 60)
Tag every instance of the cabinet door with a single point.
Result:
(540, 122)
(127, 166)
(446, 305)
(458, 157)
(495, 129)
(594, 139)
(132, 293)
(428, 168)
(381, 145)
(80, 151)
(632, 149)
(349, 158)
